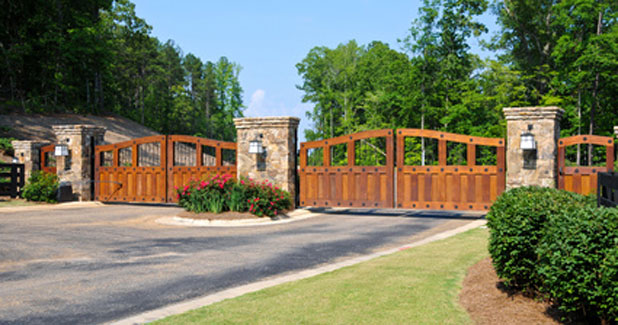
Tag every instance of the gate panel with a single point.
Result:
(328, 182)
(583, 179)
(444, 186)
(131, 171)
(192, 158)
(47, 159)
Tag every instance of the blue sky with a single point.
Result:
(268, 38)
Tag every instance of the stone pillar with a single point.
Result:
(76, 169)
(616, 131)
(278, 136)
(27, 152)
(541, 167)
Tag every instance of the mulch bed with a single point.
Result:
(488, 301)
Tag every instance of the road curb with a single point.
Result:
(195, 303)
(59, 206)
(295, 215)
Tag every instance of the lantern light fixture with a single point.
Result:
(255, 146)
(527, 140)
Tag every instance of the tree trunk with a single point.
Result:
(595, 100)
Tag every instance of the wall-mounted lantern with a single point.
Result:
(61, 150)
(527, 140)
(255, 146)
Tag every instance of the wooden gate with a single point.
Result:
(583, 179)
(457, 172)
(147, 169)
(47, 159)
(355, 170)
(452, 175)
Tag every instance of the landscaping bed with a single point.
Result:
(229, 215)
(488, 301)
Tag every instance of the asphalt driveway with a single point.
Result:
(98, 264)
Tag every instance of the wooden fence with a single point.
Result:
(12, 179)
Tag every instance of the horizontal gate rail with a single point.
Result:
(12, 179)
(450, 187)
(192, 158)
(348, 185)
(583, 179)
(607, 189)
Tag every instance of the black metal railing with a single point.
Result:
(607, 189)
(12, 179)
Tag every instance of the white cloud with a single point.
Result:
(256, 104)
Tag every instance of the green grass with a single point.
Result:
(415, 286)
(15, 203)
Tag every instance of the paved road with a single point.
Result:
(93, 265)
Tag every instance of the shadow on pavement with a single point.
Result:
(437, 214)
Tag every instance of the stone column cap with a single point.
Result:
(28, 144)
(266, 122)
(533, 113)
(78, 129)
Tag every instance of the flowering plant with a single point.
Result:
(220, 193)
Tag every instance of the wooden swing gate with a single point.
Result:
(386, 169)
(580, 179)
(148, 169)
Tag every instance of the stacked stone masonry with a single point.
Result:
(278, 136)
(545, 123)
(80, 140)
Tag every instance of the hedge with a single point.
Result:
(560, 246)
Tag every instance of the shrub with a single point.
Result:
(41, 186)
(6, 146)
(517, 224)
(223, 193)
(579, 262)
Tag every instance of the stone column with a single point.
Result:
(541, 167)
(76, 169)
(278, 136)
(27, 152)
(616, 131)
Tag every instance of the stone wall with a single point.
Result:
(278, 136)
(76, 169)
(27, 152)
(542, 165)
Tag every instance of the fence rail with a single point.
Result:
(607, 189)
(12, 179)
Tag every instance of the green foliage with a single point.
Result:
(517, 222)
(561, 245)
(6, 146)
(579, 262)
(41, 187)
(223, 193)
(98, 56)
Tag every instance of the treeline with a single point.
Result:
(549, 52)
(98, 57)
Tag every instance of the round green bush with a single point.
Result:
(579, 263)
(517, 224)
(41, 187)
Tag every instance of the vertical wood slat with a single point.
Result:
(501, 164)
(471, 155)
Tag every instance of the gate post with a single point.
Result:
(77, 168)
(278, 137)
(538, 167)
(27, 152)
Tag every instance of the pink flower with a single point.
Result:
(251, 208)
(272, 203)
(175, 187)
(186, 187)
(221, 185)
(242, 182)
(276, 188)
(256, 199)
(275, 212)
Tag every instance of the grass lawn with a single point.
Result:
(15, 203)
(415, 286)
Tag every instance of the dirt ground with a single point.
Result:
(488, 302)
